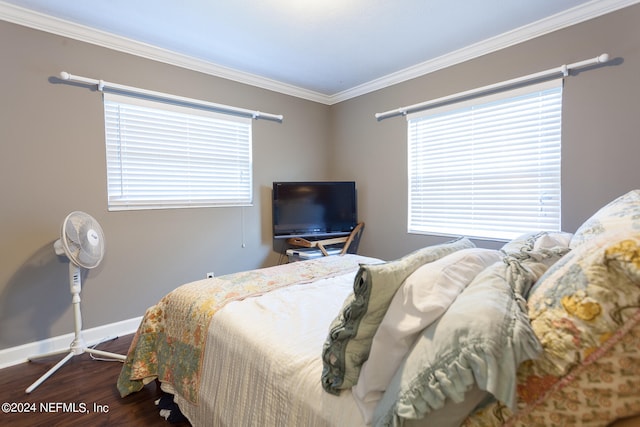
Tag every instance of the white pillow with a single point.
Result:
(541, 240)
(553, 240)
(422, 299)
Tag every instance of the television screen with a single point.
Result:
(322, 208)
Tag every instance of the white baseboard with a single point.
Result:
(20, 354)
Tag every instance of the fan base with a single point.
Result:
(77, 348)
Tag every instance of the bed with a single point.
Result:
(544, 331)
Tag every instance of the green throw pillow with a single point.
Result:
(351, 333)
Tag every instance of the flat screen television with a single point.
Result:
(320, 208)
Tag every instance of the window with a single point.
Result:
(489, 167)
(162, 155)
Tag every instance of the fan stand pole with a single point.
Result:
(78, 345)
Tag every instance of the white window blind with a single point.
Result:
(489, 167)
(162, 155)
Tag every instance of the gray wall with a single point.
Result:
(52, 162)
(600, 142)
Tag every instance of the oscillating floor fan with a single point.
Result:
(82, 241)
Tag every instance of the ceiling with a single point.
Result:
(324, 50)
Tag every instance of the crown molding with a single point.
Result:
(60, 27)
(573, 16)
(42, 22)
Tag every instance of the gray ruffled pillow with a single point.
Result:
(479, 342)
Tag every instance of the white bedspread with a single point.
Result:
(262, 363)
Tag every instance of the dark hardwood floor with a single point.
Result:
(81, 383)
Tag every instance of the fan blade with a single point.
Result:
(73, 249)
(71, 231)
(87, 260)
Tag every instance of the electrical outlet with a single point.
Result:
(210, 275)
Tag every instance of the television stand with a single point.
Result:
(322, 244)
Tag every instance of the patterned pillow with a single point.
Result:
(351, 333)
(622, 214)
(586, 312)
(593, 395)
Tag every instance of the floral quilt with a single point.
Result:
(586, 312)
(169, 344)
